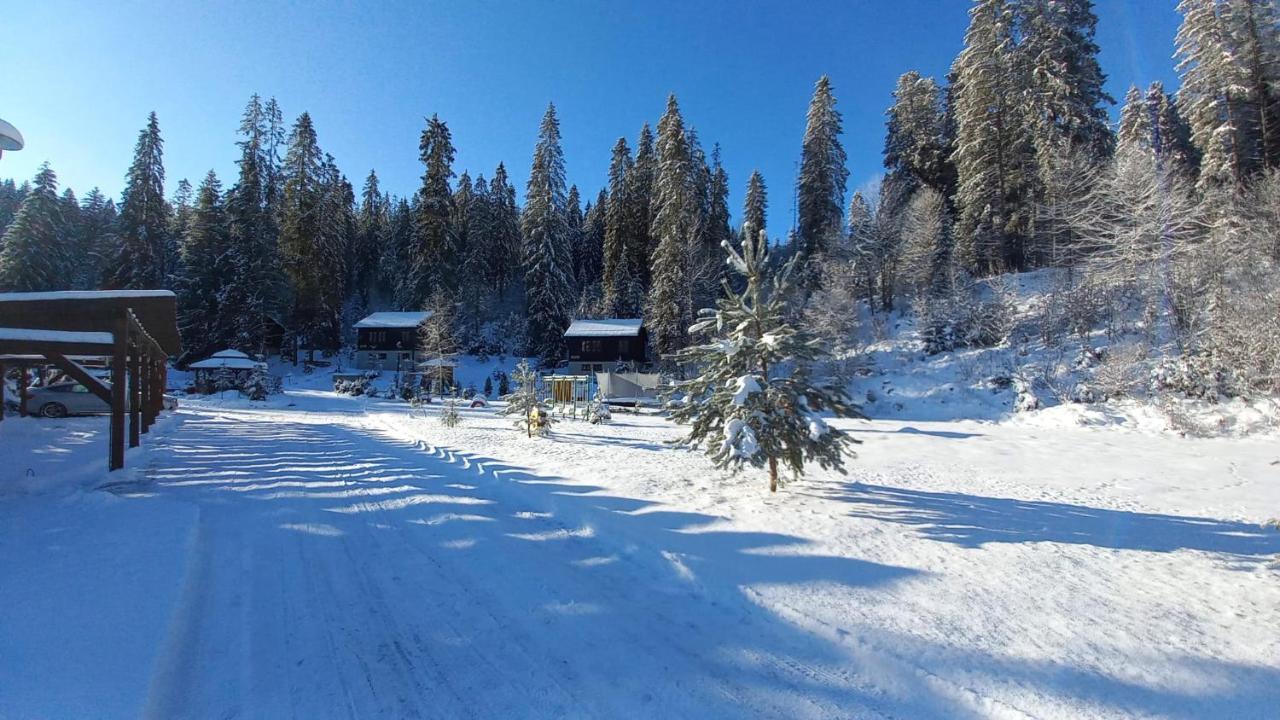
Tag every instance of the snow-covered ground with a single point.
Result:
(325, 556)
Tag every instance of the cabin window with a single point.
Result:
(624, 347)
(592, 346)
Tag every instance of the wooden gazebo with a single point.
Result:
(135, 330)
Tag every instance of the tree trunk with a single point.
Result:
(773, 474)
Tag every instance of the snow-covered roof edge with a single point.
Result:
(56, 336)
(83, 295)
(610, 327)
(398, 319)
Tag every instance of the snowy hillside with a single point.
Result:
(1027, 380)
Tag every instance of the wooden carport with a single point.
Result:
(136, 330)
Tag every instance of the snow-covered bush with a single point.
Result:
(1025, 398)
(597, 412)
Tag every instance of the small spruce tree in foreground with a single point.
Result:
(752, 400)
(531, 414)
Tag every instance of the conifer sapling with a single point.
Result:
(752, 399)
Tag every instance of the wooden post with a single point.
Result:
(144, 377)
(135, 395)
(24, 379)
(162, 379)
(119, 356)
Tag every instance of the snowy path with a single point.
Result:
(331, 557)
(337, 572)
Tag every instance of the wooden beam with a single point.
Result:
(24, 379)
(144, 401)
(135, 394)
(82, 376)
(119, 358)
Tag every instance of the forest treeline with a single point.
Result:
(1165, 227)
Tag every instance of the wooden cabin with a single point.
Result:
(389, 341)
(606, 345)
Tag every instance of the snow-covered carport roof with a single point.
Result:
(137, 329)
(95, 311)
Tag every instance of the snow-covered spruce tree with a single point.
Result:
(821, 184)
(752, 400)
(366, 252)
(449, 416)
(993, 148)
(435, 252)
(524, 402)
(641, 196)
(144, 216)
(256, 291)
(301, 232)
(670, 309)
(257, 387)
(32, 250)
(618, 276)
(204, 270)
(548, 260)
(97, 238)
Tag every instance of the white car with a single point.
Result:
(72, 398)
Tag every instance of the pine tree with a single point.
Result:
(300, 232)
(821, 184)
(204, 272)
(916, 145)
(1229, 58)
(531, 414)
(1065, 95)
(548, 263)
(753, 400)
(10, 198)
(435, 244)
(621, 278)
(504, 261)
(1134, 133)
(33, 249)
(993, 151)
(97, 240)
(755, 206)
(1171, 137)
(397, 255)
(641, 194)
(591, 251)
(180, 220)
(256, 293)
(670, 303)
(371, 225)
(574, 219)
(337, 232)
(144, 217)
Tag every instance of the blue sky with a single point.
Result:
(80, 78)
